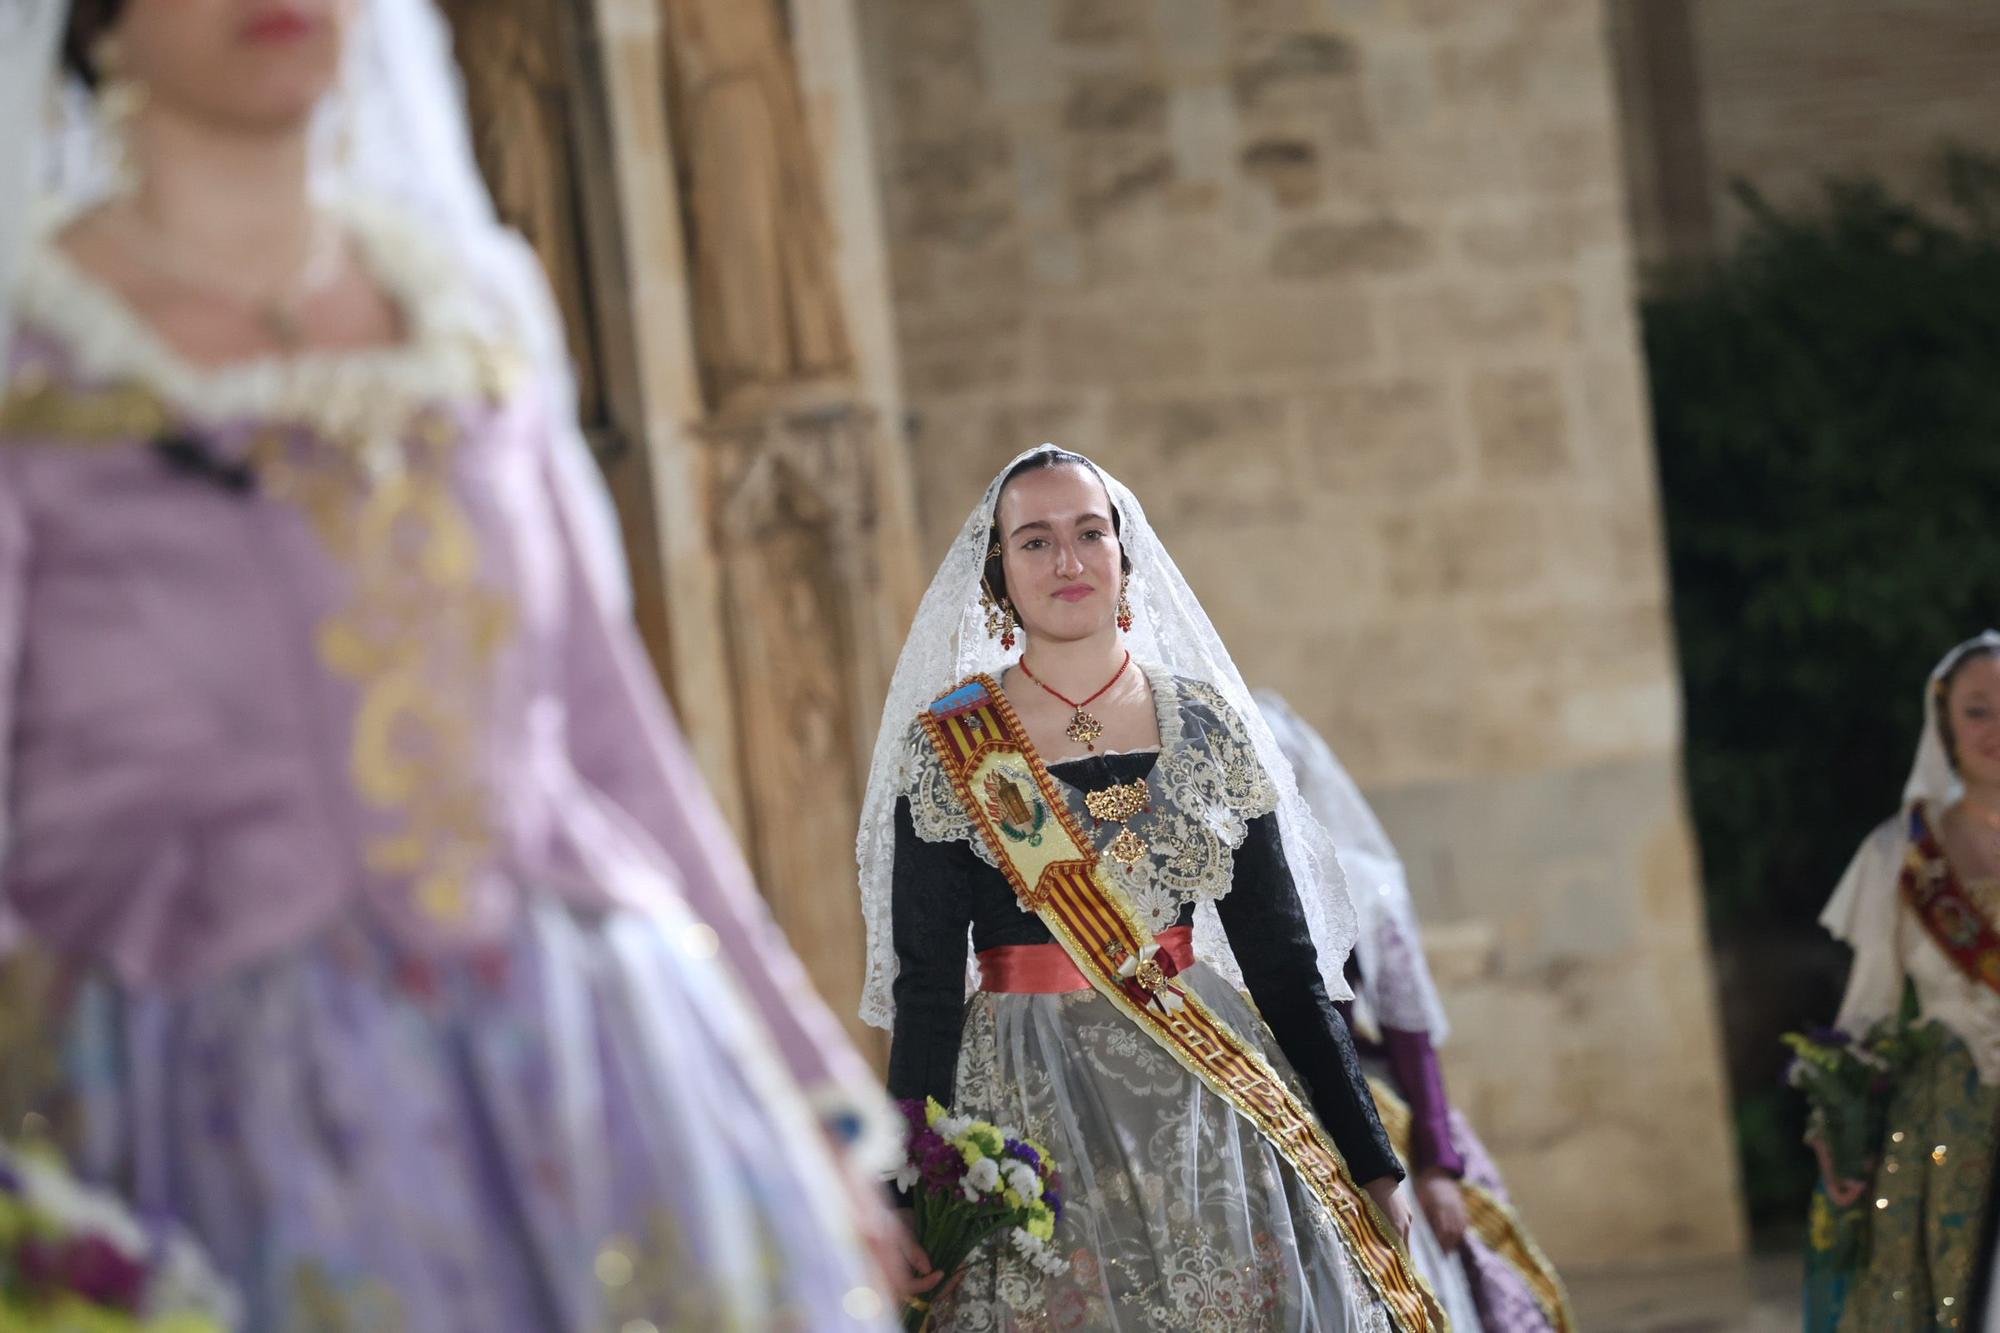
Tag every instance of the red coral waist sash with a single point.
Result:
(1047, 969)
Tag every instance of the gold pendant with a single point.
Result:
(1084, 730)
(1127, 848)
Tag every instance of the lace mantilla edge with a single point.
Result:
(1204, 791)
(451, 352)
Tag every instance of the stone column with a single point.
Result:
(808, 502)
(666, 156)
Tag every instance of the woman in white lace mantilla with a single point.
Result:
(1918, 905)
(1182, 1213)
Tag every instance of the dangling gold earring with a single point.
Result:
(999, 616)
(119, 100)
(1125, 604)
(1000, 620)
(998, 613)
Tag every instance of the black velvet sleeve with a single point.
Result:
(931, 911)
(1267, 933)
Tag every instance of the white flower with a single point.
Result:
(954, 1125)
(1021, 1179)
(906, 1176)
(180, 1280)
(184, 1284)
(983, 1176)
(77, 1208)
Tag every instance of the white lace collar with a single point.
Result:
(448, 353)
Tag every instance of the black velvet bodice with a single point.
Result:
(942, 889)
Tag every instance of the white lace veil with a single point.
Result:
(1932, 780)
(949, 642)
(1396, 986)
(394, 132)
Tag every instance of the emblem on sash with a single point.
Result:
(1018, 814)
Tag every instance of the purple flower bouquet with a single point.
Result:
(73, 1260)
(1848, 1084)
(969, 1181)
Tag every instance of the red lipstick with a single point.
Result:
(275, 27)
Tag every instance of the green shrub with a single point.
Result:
(1826, 400)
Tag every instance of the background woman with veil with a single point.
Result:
(1108, 818)
(1920, 905)
(417, 972)
(1466, 1239)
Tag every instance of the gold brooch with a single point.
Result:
(1117, 804)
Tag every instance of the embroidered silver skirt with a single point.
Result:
(1179, 1216)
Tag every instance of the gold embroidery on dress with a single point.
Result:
(1927, 1246)
(418, 634)
(38, 406)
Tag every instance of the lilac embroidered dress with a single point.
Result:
(422, 978)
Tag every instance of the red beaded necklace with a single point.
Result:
(1083, 728)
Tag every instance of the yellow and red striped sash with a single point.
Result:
(1057, 873)
(1950, 915)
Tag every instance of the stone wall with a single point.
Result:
(1786, 92)
(1342, 287)
(1795, 89)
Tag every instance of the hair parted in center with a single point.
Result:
(995, 569)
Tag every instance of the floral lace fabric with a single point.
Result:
(1180, 1217)
(1202, 793)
